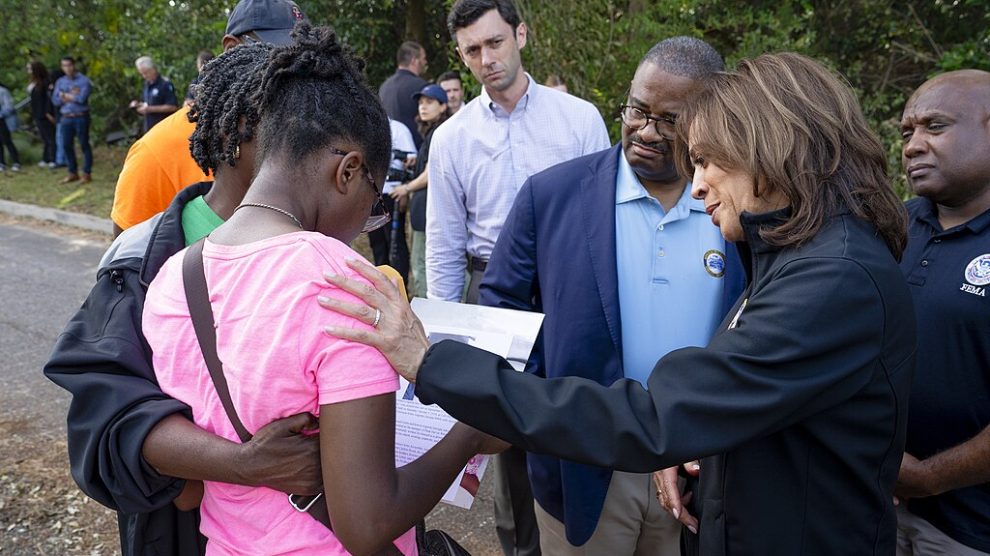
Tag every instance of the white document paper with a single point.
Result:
(441, 317)
(419, 427)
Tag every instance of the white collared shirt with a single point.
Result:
(480, 158)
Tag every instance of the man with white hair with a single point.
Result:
(158, 98)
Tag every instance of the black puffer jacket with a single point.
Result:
(102, 359)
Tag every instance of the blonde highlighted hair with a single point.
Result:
(799, 130)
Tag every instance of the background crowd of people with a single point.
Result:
(60, 114)
(819, 336)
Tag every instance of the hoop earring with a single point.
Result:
(237, 152)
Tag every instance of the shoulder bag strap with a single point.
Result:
(201, 311)
(198, 299)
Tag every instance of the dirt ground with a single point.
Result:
(41, 509)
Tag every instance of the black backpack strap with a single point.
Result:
(201, 312)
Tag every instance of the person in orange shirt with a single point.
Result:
(159, 164)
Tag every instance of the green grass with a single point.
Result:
(43, 187)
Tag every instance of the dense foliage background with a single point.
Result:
(884, 48)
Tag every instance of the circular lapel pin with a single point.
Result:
(715, 263)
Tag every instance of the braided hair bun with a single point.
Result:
(313, 94)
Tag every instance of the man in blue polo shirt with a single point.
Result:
(944, 483)
(627, 267)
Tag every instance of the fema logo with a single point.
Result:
(715, 263)
(978, 271)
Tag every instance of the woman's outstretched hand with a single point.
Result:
(397, 333)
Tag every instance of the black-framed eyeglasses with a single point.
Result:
(638, 119)
(379, 215)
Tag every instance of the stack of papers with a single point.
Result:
(419, 427)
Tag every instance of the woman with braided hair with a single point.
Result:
(132, 447)
(324, 147)
(225, 113)
(226, 117)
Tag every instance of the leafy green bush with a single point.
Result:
(884, 48)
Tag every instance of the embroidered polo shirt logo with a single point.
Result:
(154, 92)
(715, 263)
(978, 270)
(977, 275)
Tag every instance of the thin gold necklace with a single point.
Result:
(269, 207)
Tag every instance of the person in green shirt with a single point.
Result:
(131, 447)
(222, 143)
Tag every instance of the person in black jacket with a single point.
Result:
(397, 91)
(130, 445)
(798, 404)
(42, 110)
(433, 111)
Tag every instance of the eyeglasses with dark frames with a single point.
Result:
(636, 118)
(379, 215)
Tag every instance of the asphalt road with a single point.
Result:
(46, 271)
(45, 275)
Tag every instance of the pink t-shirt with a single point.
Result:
(277, 361)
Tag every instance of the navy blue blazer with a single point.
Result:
(556, 255)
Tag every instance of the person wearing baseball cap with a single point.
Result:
(118, 414)
(433, 110)
(150, 179)
(433, 91)
(268, 21)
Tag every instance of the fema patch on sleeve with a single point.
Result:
(715, 263)
(978, 270)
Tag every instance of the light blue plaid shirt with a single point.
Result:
(479, 160)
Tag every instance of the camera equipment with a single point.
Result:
(403, 174)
